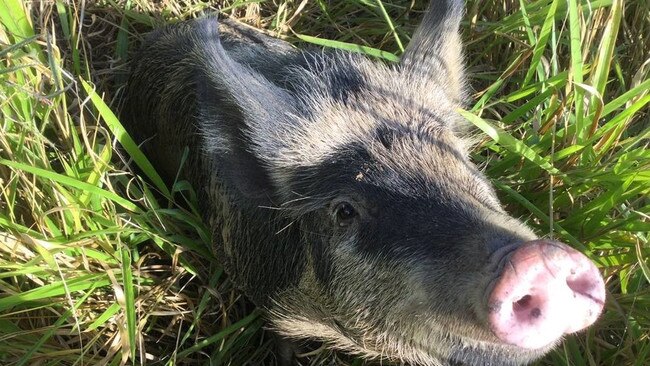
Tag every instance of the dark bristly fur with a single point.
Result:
(338, 189)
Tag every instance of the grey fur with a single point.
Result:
(280, 140)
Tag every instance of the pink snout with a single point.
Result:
(546, 290)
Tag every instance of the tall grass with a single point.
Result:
(103, 266)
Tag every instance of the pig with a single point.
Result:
(341, 197)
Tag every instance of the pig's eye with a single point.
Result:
(345, 213)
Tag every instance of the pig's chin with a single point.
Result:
(474, 345)
(456, 352)
(466, 351)
(432, 350)
(423, 344)
(452, 349)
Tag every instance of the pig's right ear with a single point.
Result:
(240, 114)
(435, 49)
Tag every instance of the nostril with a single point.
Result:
(521, 304)
(581, 284)
(526, 309)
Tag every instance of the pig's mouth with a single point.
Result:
(545, 290)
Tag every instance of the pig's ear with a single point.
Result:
(435, 49)
(240, 113)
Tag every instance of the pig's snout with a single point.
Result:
(546, 290)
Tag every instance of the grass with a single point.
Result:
(103, 266)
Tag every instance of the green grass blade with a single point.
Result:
(349, 47)
(391, 26)
(104, 317)
(630, 95)
(544, 35)
(15, 19)
(125, 140)
(606, 50)
(55, 289)
(129, 300)
(541, 215)
(502, 138)
(72, 182)
(222, 334)
(575, 46)
(27, 357)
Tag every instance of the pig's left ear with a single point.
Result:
(435, 49)
(241, 117)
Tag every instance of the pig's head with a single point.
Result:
(391, 243)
